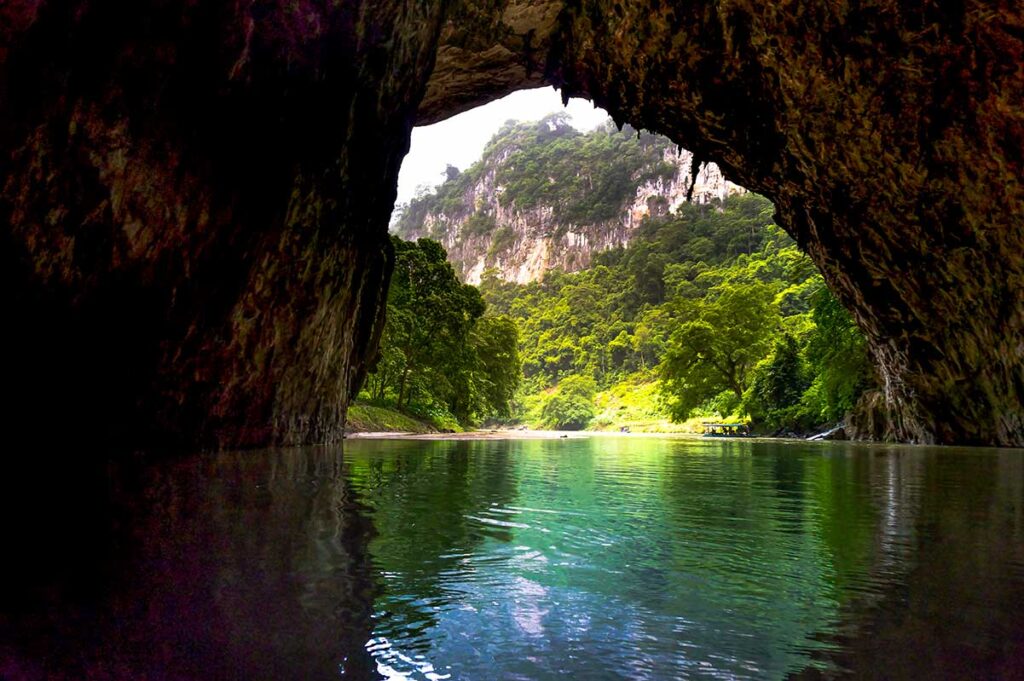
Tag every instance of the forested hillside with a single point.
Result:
(712, 310)
(441, 359)
(544, 196)
(606, 298)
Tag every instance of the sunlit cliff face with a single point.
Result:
(199, 195)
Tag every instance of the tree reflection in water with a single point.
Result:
(595, 558)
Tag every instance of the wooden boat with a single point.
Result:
(718, 429)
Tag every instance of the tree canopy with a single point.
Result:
(714, 302)
(438, 351)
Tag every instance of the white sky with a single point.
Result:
(461, 139)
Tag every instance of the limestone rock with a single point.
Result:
(524, 243)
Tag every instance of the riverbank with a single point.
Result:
(370, 419)
(517, 434)
(501, 434)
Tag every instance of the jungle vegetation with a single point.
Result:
(441, 358)
(713, 304)
(710, 311)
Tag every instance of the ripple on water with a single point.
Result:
(658, 558)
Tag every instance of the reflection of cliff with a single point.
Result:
(228, 566)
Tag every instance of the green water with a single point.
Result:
(617, 558)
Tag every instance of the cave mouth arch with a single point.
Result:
(856, 151)
(518, 209)
(198, 196)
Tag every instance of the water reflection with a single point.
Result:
(938, 594)
(637, 558)
(247, 566)
(606, 558)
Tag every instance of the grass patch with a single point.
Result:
(367, 418)
(635, 404)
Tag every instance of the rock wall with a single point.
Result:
(195, 195)
(194, 199)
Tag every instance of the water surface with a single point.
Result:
(617, 558)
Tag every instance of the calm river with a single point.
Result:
(602, 558)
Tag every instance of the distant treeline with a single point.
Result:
(715, 301)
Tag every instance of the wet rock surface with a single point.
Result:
(194, 201)
(195, 196)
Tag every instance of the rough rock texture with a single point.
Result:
(526, 243)
(194, 198)
(195, 195)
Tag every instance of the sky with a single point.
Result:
(461, 139)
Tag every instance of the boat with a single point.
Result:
(719, 429)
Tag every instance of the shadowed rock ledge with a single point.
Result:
(195, 196)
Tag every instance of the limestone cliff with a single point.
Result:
(486, 219)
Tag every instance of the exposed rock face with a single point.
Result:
(521, 244)
(195, 195)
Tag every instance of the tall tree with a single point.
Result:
(495, 342)
(778, 384)
(437, 349)
(716, 350)
(430, 315)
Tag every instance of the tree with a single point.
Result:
(571, 407)
(498, 369)
(429, 318)
(777, 386)
(716, 350)
(838, 356)
(438, 351)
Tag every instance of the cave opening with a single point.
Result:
(610, 251)
(195, 199)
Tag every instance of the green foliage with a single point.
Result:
(634, 403)
(368, 418)
(584, 178)
(714, 299)
(718, 299)
(571, 406)
(479, 223)
(778, 384)
(502, 241)
(729, 332)
(438, 354)
(496, 375)
(837, 353)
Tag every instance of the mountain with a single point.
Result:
(545, 195)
